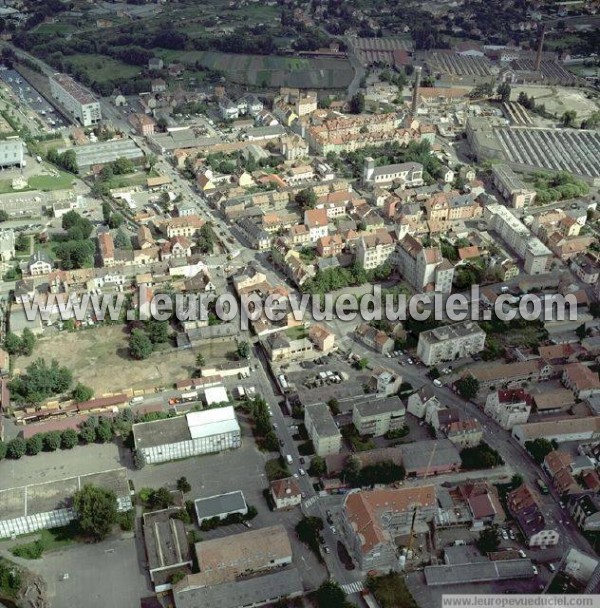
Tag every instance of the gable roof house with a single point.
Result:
(523, 506)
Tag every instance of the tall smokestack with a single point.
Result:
(540, 48)
(415, 97)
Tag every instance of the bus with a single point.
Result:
(542, 486)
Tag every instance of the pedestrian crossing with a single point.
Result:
(351, 588)
(309, 502)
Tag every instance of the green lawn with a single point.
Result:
(296, 333)
(135, 179)
(101, 68)
(46, 183)
(49, 540)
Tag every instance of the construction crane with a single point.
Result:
(416, 509)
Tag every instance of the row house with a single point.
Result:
(317, 222)
(511, 374)
(464, 433)
(186, 226)
(257, 237)
(177, 247)
(290, 263)
(328, 246)
(581, 380)
(107, 248)
(299, 235)
(558, 466)
(376, 339)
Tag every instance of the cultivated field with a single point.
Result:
(98, 357)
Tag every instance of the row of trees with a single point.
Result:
(24, 345)
(331, 279)
(385, 472)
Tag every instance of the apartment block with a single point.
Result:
(424, 268)
(375, 249)
(512, 187)
(508, 407)
(77, 100)
(377, 417)
(322, 429)
(513, 232)
(450, 342)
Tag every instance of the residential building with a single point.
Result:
(376, 249)
(323, 338)
(384, 382)
(322, 429)
(585, 511)
(286, 493)
(39, 263)
(106, 246)
(424, 268)
(512, 187)
(220, 506)
(77, 100)
(372, 520)
(534, 370)
(530, 249)
(482, 501)
(587, 268)
(580, 379)
(421, 400)
(12, 150)
(328, 246)
(142, 123)
(464, 433)
(378, 416)
(186, 226)
(509, 407)
(228, 109)
(374, 338)
(410, 175)
(450, 342)
(196, 433)
(281, 348)
(523, 507)
(257, 236)
(317, 222)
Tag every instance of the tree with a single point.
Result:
(362, 363)
(3, 215)
(467, 387)
(161, 499)
(106, 209)
(516, 480)
(568, 119)
(16, 448)
(35, 444)
(539, 449)
(40, 381)
(52, 441)
(68, 161)
(139, 460)
(140, 346)
(87, 430)
(151, 160)
(115, 221)
(504, 91)
(122, 166)
(183, 485)
(2, 450)
(157, 331)
(317, 466)
(243, 350)
(357, 103)
(96, 510)
(28, 340)
(122, 240)
(82, 393)
(489, 540)
(22, 242)
(334, 406)
(581, 331)
(12, 343)
(330, 595)
(68, 439)
(200, 361)
(306, 199)
(104, 430)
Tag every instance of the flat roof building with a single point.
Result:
(167, 547)
(378, 416)
(196, 433)
(450, 342)
(39, 506)
(105, 152)
(76, 99)
(220, 505)
(12, 151)
(478, 572)
(322, 429)
(512, 187)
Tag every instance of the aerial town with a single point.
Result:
(234, 241)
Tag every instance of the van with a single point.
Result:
(289, 459)
(136, 400)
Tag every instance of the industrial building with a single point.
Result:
(377, 417)
(39, 506)
(530, 249)
(195, 433)
(105, 152)
(450, 342)
(478, 572)
(77, 100)
(322, 429)
(221, 506)
(12, 151)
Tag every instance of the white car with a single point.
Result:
(504, 534)
(522, 553)
(535, 570)
(333, 530)
(437, 383)
(302, 471)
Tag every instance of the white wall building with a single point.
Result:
(378, 416)
(508, 407)
(197, 433)
(79, 102)
(11, 152)
(450, 342)
(322, 429)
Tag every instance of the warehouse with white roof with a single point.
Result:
(195, 433)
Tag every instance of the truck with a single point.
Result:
(241, 393)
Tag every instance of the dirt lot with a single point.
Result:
(98, 357)
(559, 99)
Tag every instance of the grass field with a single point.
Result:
(46, 183)
(101, 68)
(99, 358)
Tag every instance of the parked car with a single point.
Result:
(522, 553)
(333, 530)
(437, 383)
(301, 460)
(552, 567)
